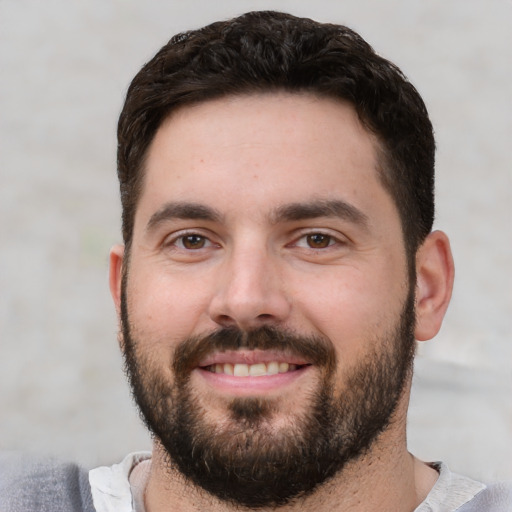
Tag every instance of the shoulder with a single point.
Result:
(30, 484)
(494, 498)
(458, 493)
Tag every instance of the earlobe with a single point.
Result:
(116, 275)
(434, 284)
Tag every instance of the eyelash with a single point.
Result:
(179, 241)
(329, 239)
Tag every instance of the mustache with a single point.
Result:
(316, 350)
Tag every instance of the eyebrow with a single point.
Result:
(181, 210)
(321, 208)
(286, 213)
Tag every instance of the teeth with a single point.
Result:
(256, 370)
(252, 370)
(272, 368)
(283, 367)
(241, 370)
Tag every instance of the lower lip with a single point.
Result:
(250, 386)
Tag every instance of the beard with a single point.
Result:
(247, 460)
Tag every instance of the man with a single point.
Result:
(278, 265)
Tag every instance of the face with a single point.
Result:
(266, 308)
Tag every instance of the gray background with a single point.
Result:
(64, 68)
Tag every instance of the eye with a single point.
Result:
(192, 241)
(318, 240)
(315, 241)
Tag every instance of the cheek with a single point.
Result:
(353, 306)
(166, 308)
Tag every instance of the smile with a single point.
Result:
(253, 370)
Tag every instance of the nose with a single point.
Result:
(250, 291)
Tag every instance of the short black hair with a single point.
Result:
(269, 51)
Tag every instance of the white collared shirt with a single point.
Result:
(115, 490)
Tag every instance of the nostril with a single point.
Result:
(225, 320)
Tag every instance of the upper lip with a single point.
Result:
(251, 357)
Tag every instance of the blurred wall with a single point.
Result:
(64, 69)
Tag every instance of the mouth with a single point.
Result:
(253, 370)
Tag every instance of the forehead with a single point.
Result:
(263, 149)
(282, 118)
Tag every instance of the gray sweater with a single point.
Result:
(29, 484)
(494, 498)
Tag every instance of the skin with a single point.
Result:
(246, 159)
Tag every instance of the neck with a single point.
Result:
(387, 478)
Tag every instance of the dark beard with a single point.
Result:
(246, 461)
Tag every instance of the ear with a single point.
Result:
(116, 275)
(434, 284)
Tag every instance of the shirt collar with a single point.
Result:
(110, 486)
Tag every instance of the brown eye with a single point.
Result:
(193, 241)
(318, 240)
